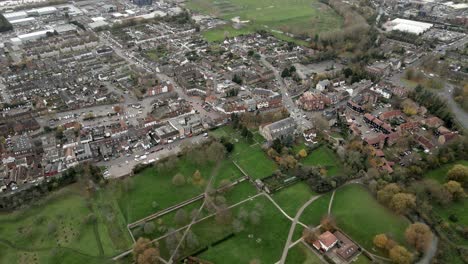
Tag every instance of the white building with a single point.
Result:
(22, 21)
(15, 15)
(409, 26)
(322, 85)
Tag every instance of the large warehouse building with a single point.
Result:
(409, 26)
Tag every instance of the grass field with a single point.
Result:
(316, 211)
(300, 254)
(362, 217)
(293, 197)
(325, 157)
(235, 195)
(295, 17)
(362, 260)
(440, 173)
(56, 231)
(154, 185)
(250, 157)
(457, 209)
(264, 241)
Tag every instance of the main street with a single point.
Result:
(296, 113)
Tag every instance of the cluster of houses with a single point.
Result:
(30, 156)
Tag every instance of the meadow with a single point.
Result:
(66, 227)
(298, 17)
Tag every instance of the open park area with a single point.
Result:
(300, 17)
(65, 227)
(169, 203)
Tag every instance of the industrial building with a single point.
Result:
(409, 26)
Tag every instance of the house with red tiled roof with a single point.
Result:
(425, 143)
(432, 122)
(447, 137)
(408, 126)
(325, 241)
(377, 123)
(392, 138)
(387, 166)
(390, 114)
(377, 141)
(443, 130)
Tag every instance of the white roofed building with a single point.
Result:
(409, 26)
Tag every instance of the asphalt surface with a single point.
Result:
(288, 102)
(124, 165)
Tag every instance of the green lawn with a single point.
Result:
(56, 231)
(293, 197)
(300, 254)
(325, 157)
(440, 173)
(264, 241)
(316, 211)
(362, 259)
(154, 185)
(235, 195)
(362, 217)
(457, 209)
(250, 157)
(296, 17)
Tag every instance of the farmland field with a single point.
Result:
(295, 17)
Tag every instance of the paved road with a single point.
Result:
(288, 102)
(430, 252)
(293, 227)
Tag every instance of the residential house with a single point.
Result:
(313, 101)
(325, 241)
(443, 139)
(377, 123)
(322, 85)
